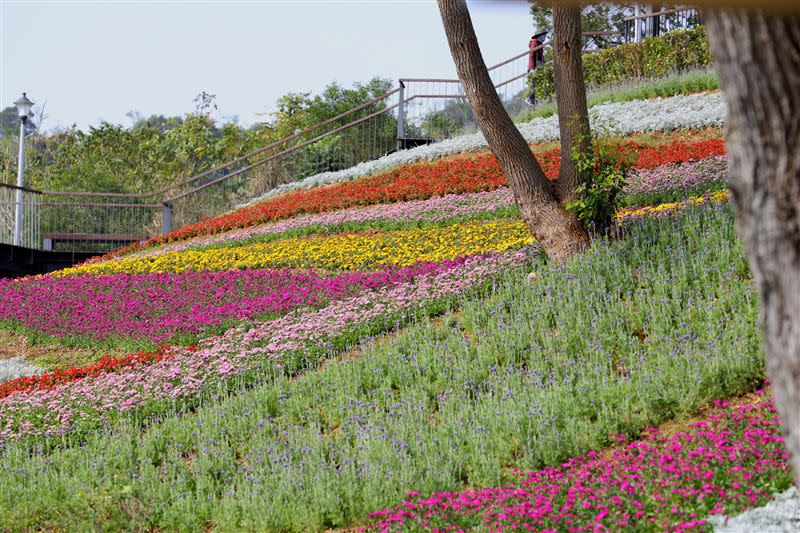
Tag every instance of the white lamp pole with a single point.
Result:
(23, 108)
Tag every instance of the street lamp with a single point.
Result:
(23, 109)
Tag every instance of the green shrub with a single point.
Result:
(654, 57)
(603, 170)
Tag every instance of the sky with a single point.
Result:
(94, 61)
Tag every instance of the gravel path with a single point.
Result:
(781, 515)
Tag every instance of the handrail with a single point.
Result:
(287, 151)
(665, 12)
(280, 141)
(227, 164)
(18, 188)
(98, 204)
(600, 33)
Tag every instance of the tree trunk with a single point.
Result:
(573, 113)
(557, 231)
(758, 60)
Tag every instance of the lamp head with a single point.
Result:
(23, 107)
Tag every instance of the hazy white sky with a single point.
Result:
(96, 60)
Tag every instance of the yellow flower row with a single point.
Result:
(628, 213)
(334, 252)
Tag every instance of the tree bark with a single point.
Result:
(573, 112)
(557, 231)
(758, 60)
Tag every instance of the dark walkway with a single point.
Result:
(16, 261)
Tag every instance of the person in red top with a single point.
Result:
(535, 58)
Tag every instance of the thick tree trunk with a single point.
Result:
(557, 231)
(573, 113)
(758, 59)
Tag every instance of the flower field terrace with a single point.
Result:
(249, 430)
(305, 363)
(461, 174)
(208, 300)
(358, 250)
(147, 299)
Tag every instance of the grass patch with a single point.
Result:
(632, 333)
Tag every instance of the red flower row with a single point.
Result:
(413, 182)
(65, 375)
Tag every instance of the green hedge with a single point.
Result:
(654, 57)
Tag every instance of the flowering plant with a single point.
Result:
(603, 170)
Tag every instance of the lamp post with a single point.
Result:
(23, 108)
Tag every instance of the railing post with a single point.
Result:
(401, 116)
(20, 170)
(166, 219)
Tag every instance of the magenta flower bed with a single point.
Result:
(158, 307)
(728, 464)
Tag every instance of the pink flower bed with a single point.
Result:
(187, 374)
(678, 176)
(726, 464)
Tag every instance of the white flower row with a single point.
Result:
(16, 367)
(660, 114)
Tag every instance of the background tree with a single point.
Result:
(159, 122)
(573, 112)
(594, 18)
(159, 150)
(557, 231)
(758, 59)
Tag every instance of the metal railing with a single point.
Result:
(363, 133)
(436, 109)
(95, 221)
(417, 111)
(76, 221)
(638, 27)
(11, 197)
